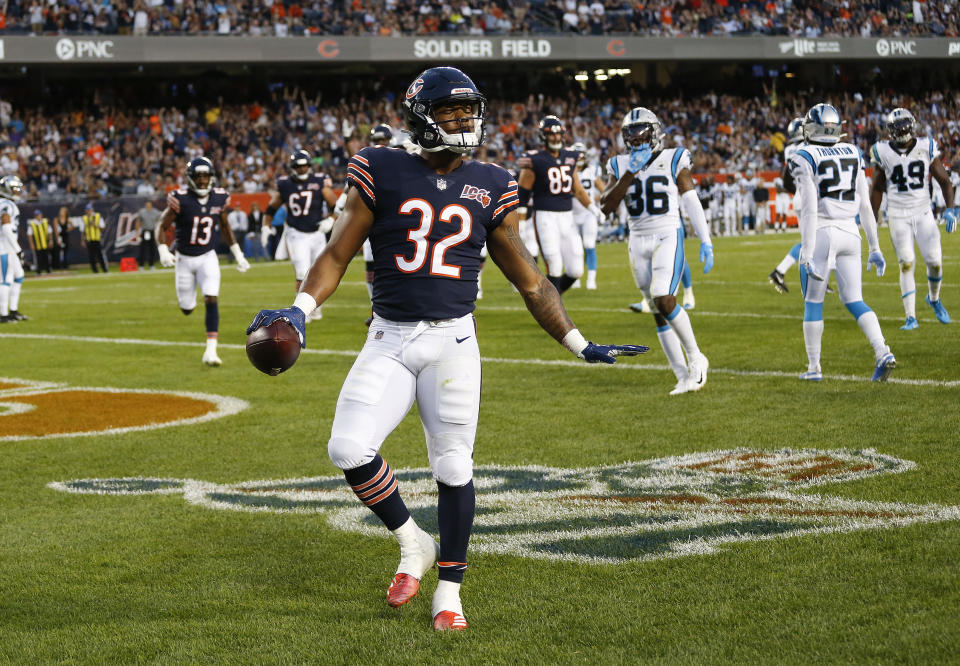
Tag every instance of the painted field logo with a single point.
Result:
(655, 509)
(30, 409)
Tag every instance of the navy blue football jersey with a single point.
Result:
(428, 230)
(553, 187)
(197, 222)
(303, 200)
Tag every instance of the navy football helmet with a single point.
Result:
(902, 126)
(199, 176)
(437, 87)
(641, 127)
(822, 124)
(299, 165)
(11, 187)
(381, 135)
(795, 130)
(551, 132)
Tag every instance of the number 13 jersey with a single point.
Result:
(653, 199)
(428, 230)
(907, 173)
(198, 220)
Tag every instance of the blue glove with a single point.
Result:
(293, 315)
(950, 216)
(639, 158)
(706, 257)
(876, 258)
(608, 353)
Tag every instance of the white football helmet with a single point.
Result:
(902, 126)
(11, 187)
(580, 147)
(795, 130)
(822, 124)
(641, 127)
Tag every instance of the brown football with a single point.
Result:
(274, 348)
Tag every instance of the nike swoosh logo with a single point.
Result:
(459, 340)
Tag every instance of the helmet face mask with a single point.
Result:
(299, 165)
(822, 124)
(199, 176)
(901, 126)
(641, 128)
(552, 133)
(11, 187)
(445, 111)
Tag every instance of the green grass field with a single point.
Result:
(844, 575)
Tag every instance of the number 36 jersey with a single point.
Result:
(653, 199)
(198, 220)
(908, 174)
(428, 230)
(835, 170)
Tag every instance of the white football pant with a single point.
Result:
(191, 271)
(560, 244)
(304, 248)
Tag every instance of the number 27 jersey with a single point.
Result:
(653, 199)
(834, 170)
(198, 220)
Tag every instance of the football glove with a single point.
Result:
(706, 257)
(594, 353)
(876, 259)
(596, 211)
(265, 234)
(639, 158)
(167, 260)
(242, 264)
(812, 271)
(950, 216)
(293, 315)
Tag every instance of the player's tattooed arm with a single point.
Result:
(508, 251)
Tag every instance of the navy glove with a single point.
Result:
(639, 158)
(706, 257)
(593, 353)
(293, 315)
(950, 216)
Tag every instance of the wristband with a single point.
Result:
(305, 302)
(575, 342)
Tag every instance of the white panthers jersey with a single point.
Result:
(789, 151)
(11, 209)
(653, 199)
(834, 170)
(589, 176)
(908, 174)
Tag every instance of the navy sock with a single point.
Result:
(455, 509)
(213, 317)
(376, 486)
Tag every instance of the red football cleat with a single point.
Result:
(403, 588)
(449, 621)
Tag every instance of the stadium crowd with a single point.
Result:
(283, 18)
(128, 150)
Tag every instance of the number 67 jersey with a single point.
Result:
(428, 230)
(653, 199)
(908, 173)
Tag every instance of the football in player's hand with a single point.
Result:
(274, 348)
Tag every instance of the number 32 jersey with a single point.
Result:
(653, 199)
(908, 174)
(198, 220)
(428, 230)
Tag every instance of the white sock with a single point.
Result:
(447, 597)
(786, 264)
(688, 295)
(4, 300)
(15, 295)
(934, 285)
(671, 347)
(812, 335)
(212, 344)
(908, 291)
(871, 328)
(684, 330)
(591, 277)
(406, 534)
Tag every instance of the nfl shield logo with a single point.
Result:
(378, 336)
(441, 184)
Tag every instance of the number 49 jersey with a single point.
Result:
(428, 230)
(653, 199)
(198, 220)
(834, 170)
(908, 174)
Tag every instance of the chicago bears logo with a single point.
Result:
(695, 504)
(477, 194)
(414, 88)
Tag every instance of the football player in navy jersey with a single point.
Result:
(196, 211)
(550, 176)
(427, 216)
(303, 194)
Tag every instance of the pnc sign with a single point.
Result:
(694, 504)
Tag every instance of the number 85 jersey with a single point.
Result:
(428, 230)
(907, 173)
(653, 199)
